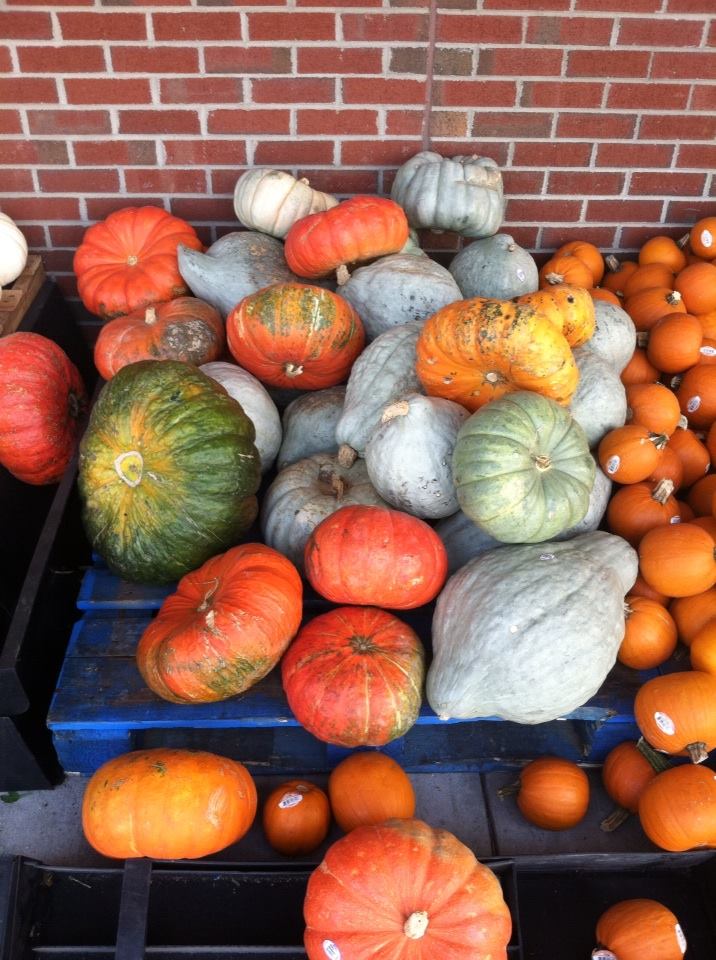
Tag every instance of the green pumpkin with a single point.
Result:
(168, 471)
(522, 469)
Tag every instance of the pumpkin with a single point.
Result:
(664, 250)
(552, 793)
(409, 455)
(703, 649)
(648, 306)
(129, 260)
(271, 201)
(706, 523)
(182, 329)
(642, 589)
(647, 276)
(617, 273)
(42, 402)
(358, 229)
(544, 658)
(13, 250)
(702, 238)
(495, 267)
(650, 634)
(614, 337)
(639, 507)
(167, 804)
(354, 677)
(678, 560)
(600, 293)
(701, 494)
(676, 713)
(463, 194)
(309, 425)
(598, 501)
(522, 469)
(691, 451)
(224, 628)
(168, 471)
(629, 454)
(419, 890)
(305, 493)
(708, 326)
(639, 369)
(669, 467)
(677, 810)
(296, 817)
(654, 406)
(599, 403)
(370, 555)
(641, 930)
(692, 613)
(587, 253)
(627, 769)
(565, 268)
(697, 286)
(295, 335)
(462, 539)
(397, 289)
(675, 342)
(572, 304)
(369, 787)
(475, 351)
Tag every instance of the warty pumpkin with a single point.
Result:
(678, 559)
(676, 713)
(626, 771)
(296, 817)
(569, 306)
(369, 787)
(677, 810)
(552, 793)
(640, 930)
(650, 634)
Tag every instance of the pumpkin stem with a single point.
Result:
(292, 369)
(659, 440)
(683, 241)
(657, 760)
(683, 423)
(304, 180)
(612, 263)
(697, 751)
(663, 490)
(415, 926)
(129, 467)
(673, 297)
(132, 260)
(74, 405)
(510, 790)
(347, 456)
(208, 595)
(675, 383)
(332, 481)
(494, 377)
(554, 278)
(542, 462)
(399, 409)
(361, 644)
(642, 338)
(615, 819)
(150, 315)
(628, 609)
(342, 275)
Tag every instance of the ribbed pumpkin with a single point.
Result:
(641, 930)
(168, 471)
(354, 677)
(296, 817)
(676, 713)
(129, 260)
(649, 636)
(404, 889)
(678, 559)
(167, 804)
(552, 793)
(627, 769)
(677, 809)
(377, 557)
(295, 335)
(692, 613)
(569, 304)
(630, 453)
(369, 787)
(42, 400)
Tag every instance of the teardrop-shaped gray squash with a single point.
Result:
(398, 289)
(409, 455)
(463, 539)
(528, 633)
(599, 402)
(614, 337)
(384, 372)
(496, 267)
(309, 425)
(307, 492)
(598, 503)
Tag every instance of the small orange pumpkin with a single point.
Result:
(702, 238)
(654, 406)
(692, 613)
(617, 274)
(638, 507)
(601, 293)
(566, 268)
(706, 523)
(675, 342)
(648, 306)
(697, 286)
(552, 793)
(649, 636)
(711, 443)
(703, 649)
(641, 930)
(676, 713)
(639, 369)
(670, 468)
(677, 809)
(629, 454)
(708, 324)
(701, 494)
(691, 451)
(641, 588)
(626, 771)
(369, 787)
(697, 395)
(663, 250)
(588, 254)
(678, 560)
(647, 276)
(296, 817)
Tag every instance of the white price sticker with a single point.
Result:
(680, 938)
(331, 950)
(706, 238)
(290, 800)
(665, 723)
(613, 464)
(693, 404)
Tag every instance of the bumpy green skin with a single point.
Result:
(497, 474)
(191, 491)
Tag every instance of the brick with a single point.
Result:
(561, 93)
(17, 181)
(61, 59)
(35, 236)
(688, 211)
(283, 152)
(385, 27)
(294, 90)
(406, 123)
(470, 93)
(340, 60)
(602, 237)
(378, 153)
(247, 60)
(694, 65)
(439, 241)
(608, 63)
(650, 96)
(222, 182)
(195, 26)
(516, 61)
(42, 208)
(703, 98)
(711, 39)
(240, 3)
(449, 123)
(158, 121)
(634, 154)
(690, 6)
(604, 126)
(548, 209)
(410, 60)
(27, 90)
(69, 121)
(110, 90)
(662, 32)
(10, 121)
(103, 26)
(495, 149)
(58, 261)
(522, 181)
(205, 151)
(511, 124)
(551, 154)
(621, 211)
(526, 5)
(158, 60)
(677, 127)
(474, 28)
(292, 26)
(203, 208)
(190, 90)
(667, 183)
(617, 6)
(66, 234)
(360, 3)
(632, 238)
(571, 31)
(170, 181)
(585, 182)
(78, 181)
(363, 90)
(249, 121)
(68, 285)
(5, 60)
(21, 25)
(311, 122)
(526, 236)
(342, 181)
(47, 152)
(697, 155)
(120, 152)
(98, 208)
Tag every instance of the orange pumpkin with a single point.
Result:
(697, 395)
(367, 788)
(650, 275)
(639, 507)
(566, 268)
(617, 274)
(707, 351)
(588, 254)
(708, 324)
(641, 930)
(296, 817)
(571, 307)
(678, 560)
(692, 613)
(676, 713)
(670, 468)
(685, 511)
(663, 250)
(703, 649)
(639, 369)
(677, 809)
(648, 306)
(641, 588)
(691, 451)
(552, 793)
(601, 293)
(167, 804)
(697, 286)
(629, 454)
(706, 523)
(702, 238)
(649, 635)
(627, 769)
(701, 494)
(654, 406)
(711, 443)
(675, 342)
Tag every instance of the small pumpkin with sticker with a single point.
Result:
(639, 929)
(296, 817)
(676, 713)
(631, 453)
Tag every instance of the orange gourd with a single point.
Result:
(654, 406)
(650, 275)
(649, 636)
(627, 769)
(663, 250)
(629, 454)
(569, 306)
(677, 809)
(641, 930)
(703, 649)
(697, 286)
(691, 451)
(566, 268)
(639, 369)
(675, 342)
(701, 494)
(697, 395)
(678, 560)
(692, 613)
(296, 817)
(617, 274)
(367, 788)
(639, 507)
(648, 306)
(587, 253)
(702, 238)
(676, 713)
(552, 793)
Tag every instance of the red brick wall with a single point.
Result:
(601, 112)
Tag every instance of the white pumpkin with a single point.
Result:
(13, 250)
(271, 201)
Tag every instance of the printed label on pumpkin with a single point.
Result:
(290, 799)
(603, 955)
(331, 950)
(693, 405)
(680, 938)
(613, 464)
(665, 723)
(546, 556)
(706, 238)
(708, 351)
(676, 519)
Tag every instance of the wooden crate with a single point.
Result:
(15, 300)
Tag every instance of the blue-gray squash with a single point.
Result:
(598, 503)
(309, 425)
(496, 267)
(614, 337)
(463, 539)
(599, 402)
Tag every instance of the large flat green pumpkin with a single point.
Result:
(168, 471)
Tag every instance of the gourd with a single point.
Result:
(677, 810)
(354, 677)
(167, 804)
(462, 193)
(552, 793)
(224, 628)
(271, 201)
(402, 889)
(614, 337)
(168, 471)
(42, 403)
(463, 539)
(236, 265)
(676, 713)
(598, 503)
(256, 404)
(569, 307)
(640, 930)
(599, 402)
(383, 373)
(397, 289)
(495, 267)
(309, 425)
(369, 787)
(296, 817)
(129, 260)
(522, 469)
(184, 329)
(13, 250)
(409, 455)
(544, 658)
(306, 492)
